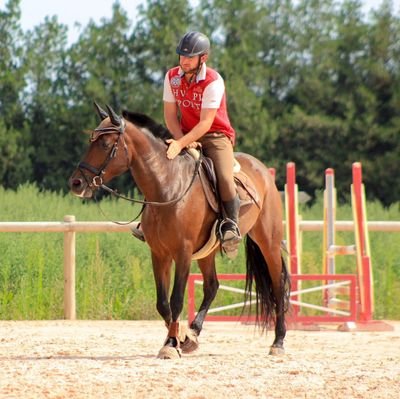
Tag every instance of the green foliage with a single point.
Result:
(315, 82)
(114, 277)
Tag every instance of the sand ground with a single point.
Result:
(117, 359)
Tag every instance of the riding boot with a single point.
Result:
(229, 228)
(138, 233)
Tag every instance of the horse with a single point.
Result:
(178, 218)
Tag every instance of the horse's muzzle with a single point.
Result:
(79, 187)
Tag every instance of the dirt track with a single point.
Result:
(117, 359)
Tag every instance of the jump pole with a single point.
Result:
(329, 229)
(292, 226)
(361, 250)
(330, 249)
(364, 266)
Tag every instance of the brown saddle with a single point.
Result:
(244, 186)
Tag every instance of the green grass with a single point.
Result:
(114, 277)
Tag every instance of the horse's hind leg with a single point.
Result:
(278, 274)
(267, 233)
(280, 292)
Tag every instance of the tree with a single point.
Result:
(160, 25)
(14, 145)
(311, 81)
(382, 80)
(46, 102)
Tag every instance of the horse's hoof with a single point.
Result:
(191, 342)
(188, 339)
(277, 351)
(169, 352)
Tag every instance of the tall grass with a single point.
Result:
(114, 274)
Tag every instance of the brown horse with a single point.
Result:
(177, 221)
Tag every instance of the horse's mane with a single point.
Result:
(145, 121)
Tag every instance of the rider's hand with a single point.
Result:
(195, 144)
(174, 148)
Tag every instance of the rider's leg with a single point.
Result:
(230, 226)
(218, 147)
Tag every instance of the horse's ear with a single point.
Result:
(115, 119)
(103, 114)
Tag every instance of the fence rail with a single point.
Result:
(69, 226)
(93, 227)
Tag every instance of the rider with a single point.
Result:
(195, 111)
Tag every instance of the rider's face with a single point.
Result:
(190, 64)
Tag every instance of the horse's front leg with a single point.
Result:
(210, 288)
(171, 347)
(162, 277)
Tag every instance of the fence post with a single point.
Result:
(69, 271)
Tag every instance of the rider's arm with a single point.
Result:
(207, 116)
(171, 119)
(171, 110)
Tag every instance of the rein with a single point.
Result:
(97, 180)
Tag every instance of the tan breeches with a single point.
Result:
(219, 148)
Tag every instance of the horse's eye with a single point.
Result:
(106, 144)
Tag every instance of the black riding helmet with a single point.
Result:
(192, 44)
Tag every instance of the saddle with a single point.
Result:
(244, 187)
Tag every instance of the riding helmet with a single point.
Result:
(192, 44)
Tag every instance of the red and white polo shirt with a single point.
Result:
(208, 91)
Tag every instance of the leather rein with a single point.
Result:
(97, 180)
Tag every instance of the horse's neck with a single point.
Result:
(157, 177)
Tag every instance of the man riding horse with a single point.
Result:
(195, 111)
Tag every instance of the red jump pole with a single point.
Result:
(362, 245)
(292, 226)
(292, 220)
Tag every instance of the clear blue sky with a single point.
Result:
(81, 11)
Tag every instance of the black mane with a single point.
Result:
(145, 121)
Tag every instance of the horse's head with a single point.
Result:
(105, 158)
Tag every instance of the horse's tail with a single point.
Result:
(258, 271)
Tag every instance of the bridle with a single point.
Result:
(97, 180)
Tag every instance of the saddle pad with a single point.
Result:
(209, 246)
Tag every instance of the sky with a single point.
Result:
(69, 12)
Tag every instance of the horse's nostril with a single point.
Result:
(76, 182)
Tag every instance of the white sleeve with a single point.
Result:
(213, 94)
(168, 96)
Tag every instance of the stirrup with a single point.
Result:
(229, 227)
(138, 233)
(230, 237)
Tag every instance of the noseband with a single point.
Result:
(97, 180)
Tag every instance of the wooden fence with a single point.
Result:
(69, 226)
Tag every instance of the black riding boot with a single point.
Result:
(229, 228)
